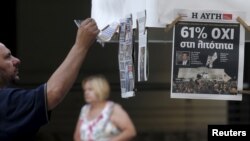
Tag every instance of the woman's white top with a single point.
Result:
(100, 128)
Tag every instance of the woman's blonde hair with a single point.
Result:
(100, 85)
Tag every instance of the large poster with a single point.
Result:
(208, 56)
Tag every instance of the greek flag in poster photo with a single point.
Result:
(208, 55)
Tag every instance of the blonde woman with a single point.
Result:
(101, 119)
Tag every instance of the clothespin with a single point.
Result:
(234, 91)
(241, 21)
(244, 91)
(169, 26)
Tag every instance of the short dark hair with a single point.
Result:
(184, 52)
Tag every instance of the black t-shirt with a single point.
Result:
(22, 112)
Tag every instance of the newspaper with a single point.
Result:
(142, 47)
(106, 33)
(208, 55)
(126, 66)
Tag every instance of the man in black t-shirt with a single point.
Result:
(23, 112)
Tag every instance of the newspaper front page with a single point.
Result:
(208, 55)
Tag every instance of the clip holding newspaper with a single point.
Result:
(125, 58)
(106, 33)
(208, 55)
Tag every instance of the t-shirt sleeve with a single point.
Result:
(25, 111)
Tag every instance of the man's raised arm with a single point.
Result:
(64, 77)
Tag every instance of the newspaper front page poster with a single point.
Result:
(208, 55)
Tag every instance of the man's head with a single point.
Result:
(184, 56)
(8, 66)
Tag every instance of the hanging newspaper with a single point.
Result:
(125, 58)
(208, 55)
(142, 47)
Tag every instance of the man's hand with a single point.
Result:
(87, 33)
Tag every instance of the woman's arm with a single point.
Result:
(122, 120)
(77, 131)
